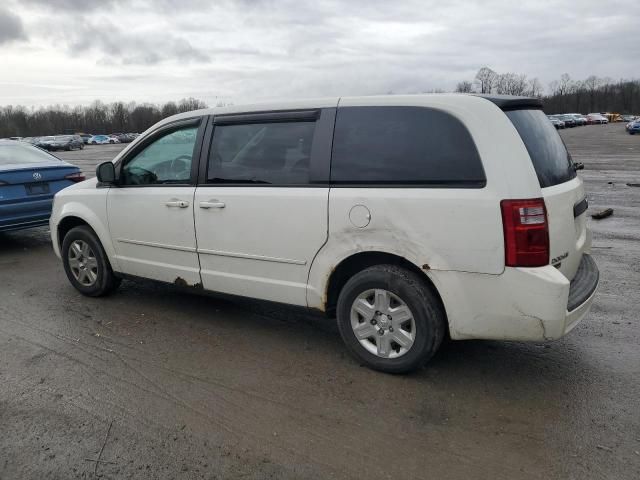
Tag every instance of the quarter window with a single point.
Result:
(261, 153)
(165, 161)
(403, 145)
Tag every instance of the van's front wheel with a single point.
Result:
(86, 263)
(389, 319)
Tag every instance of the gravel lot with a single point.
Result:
(170, 384)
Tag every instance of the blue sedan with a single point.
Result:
(633, 127)
(29, 178)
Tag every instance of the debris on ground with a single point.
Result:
(607, 212)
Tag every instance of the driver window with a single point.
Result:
(166, 160)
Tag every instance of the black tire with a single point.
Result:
(426, 308)
(106, 281)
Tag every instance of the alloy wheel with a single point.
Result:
(83, 263)
(383, 323)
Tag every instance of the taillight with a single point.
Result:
(526, 233)
(75, 177)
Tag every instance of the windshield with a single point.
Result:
(11, 154)
(549, 155)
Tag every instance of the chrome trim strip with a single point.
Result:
(157, 245)
(252, 257)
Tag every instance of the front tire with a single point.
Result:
(390, 319)
(86, 263)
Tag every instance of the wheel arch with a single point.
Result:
(73, 217)
(357, 262)
(69, 222)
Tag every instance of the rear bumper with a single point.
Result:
(25, 214)
(527, 304)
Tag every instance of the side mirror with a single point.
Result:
(106, 173)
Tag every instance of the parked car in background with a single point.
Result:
(580, 119)
(628, 118)
(126, 137)
(557, 123)
(102, 140)
(568, 120)
(597, 118)
(363, 181)
(43, 142)
(85, 137)
(29, 178)
(61, 142)
(633, 127)
(30, 140)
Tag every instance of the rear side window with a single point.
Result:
(404, 145)
(261, 153)
(549, 155)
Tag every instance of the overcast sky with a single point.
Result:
(75, 51)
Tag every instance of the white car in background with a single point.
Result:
(597, 118)
(409, 218)
(102, 140)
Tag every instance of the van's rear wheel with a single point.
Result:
(86, 264)
(390, 319)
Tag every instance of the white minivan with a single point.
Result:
(408, 218)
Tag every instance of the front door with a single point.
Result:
(260, 220)
(151, 210)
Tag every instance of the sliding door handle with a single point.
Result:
(212, 204)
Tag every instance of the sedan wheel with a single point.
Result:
(83, 263)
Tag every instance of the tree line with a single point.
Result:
(593, 94)
(97, 118)
(565, 95)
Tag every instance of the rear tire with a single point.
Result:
(367, 304)
(86, 263)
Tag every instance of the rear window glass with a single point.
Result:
(403, 145)
(549, 155)
(11, 154)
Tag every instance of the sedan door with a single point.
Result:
(151, 210)
(261, 205)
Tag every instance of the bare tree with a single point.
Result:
(565, 84)
(464, 87)
(485, 79)
(534, 88)
(591, 84)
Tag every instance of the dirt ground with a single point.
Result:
(163, 383)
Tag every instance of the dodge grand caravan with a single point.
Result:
(408, 218)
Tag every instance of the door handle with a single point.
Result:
(212, 204)
(177, 203)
